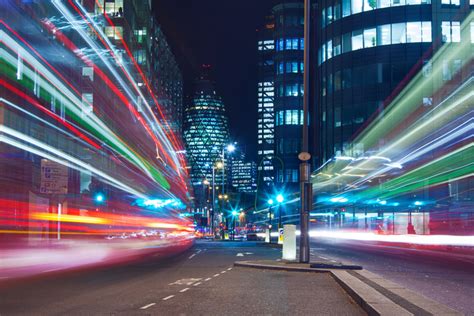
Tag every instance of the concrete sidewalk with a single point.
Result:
(375, 295)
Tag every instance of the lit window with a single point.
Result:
(398, 33)
(369, 38)
(413, 32)
(337, 46)
(450, 2)
(294, 43)
(426, 32)
(356, 6)
(329, 48)
(370, 5)
(397, 2)
(384, 35)
(451, 31)
(346, 7)
(301, 43)
(472, 29)
(357, 40)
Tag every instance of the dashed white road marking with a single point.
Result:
(147, 306)
(249, 253)
(239, 255)
(199, 250)
(229, 269)
(168, 297)
(323, 258)
(196, 284)
(192, 256)
(333, 261)
(185, 281)
(223, 271)
(207, 279)
(51, 270)
(184, 290)
(216, 275)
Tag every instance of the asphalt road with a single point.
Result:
(200, 281)
(446, 278)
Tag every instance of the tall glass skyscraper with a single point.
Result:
(265, 103)
(206, 131)
(288, 60)
(366, 50)
(280, 96)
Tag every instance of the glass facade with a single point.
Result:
(206, 129)
(289, 89)
(266, 47)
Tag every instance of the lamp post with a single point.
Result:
(279, 199)
(217, 165)
(306, 190)
(230, 148)
(270, 204)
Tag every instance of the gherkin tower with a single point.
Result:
(206, 131)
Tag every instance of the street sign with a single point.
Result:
(280, 236)
(54, 177)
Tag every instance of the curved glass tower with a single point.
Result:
(206, 129)
(367, 50)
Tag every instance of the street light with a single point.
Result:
(218, 165)
(279, 199)
(270, 203)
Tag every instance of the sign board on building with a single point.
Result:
(54, 177)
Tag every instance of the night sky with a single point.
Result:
(221, 33)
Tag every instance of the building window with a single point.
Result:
(451, 31)
(413, 32)
(369, 38)
(329, 48)
(384, 35)
(426, 32)
(398, 33)
(472, 30)
(356, 6)
(357, 40)
(346, 8)
(450, 2)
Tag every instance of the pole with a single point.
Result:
(270, 225)
(279, 216)
(213, 199)
(223, 170)
(306, 190)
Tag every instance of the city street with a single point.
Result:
(444, 277)
(201, 281)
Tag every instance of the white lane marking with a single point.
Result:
(216, 275)
(147, 306)
(229, 269)
(168, 297)
(192, 256)
(333, 261)
(185, 281)
(184, 290)
(51, 270)
(323, 258)
(196, 284)
(249, 253)
(199, 251)
(207, 279)
(223, 271)
(240, 255)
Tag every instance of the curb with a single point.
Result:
(374, 294)
(248, 264)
